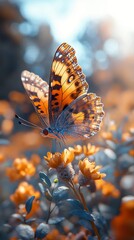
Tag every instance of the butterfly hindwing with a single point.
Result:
(67, 81)
(82, 118)
(37, 90)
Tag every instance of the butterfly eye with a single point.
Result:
(45, 132)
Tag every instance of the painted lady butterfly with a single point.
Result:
(64, 107)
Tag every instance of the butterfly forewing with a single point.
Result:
(67, 82)
(37, 90)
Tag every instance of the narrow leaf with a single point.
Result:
(48, 195)
(29, 203)
(41, 188)
(45, 178)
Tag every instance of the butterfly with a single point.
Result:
(64, 107)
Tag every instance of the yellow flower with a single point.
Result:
(107, 188)
(20, 169)
(62, 163)
(23, 192)
(77, 149)
(20, 196)
(87, 150)
(58, 159)
(90, 149)
(89, 172)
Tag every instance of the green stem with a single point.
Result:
(49, 213)
(92, 223)
(81, 198)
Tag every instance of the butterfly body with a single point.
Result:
(64, 107)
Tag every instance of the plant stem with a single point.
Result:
(92, 223)
(49, 213)
(95, 230)
(81, 198)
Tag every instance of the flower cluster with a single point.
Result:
(107, 189)
(23, 192)
(62, 163)
(20, 169)
(21, 195)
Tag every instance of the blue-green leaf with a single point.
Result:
(29, 203)
(82, 214)
(45, 178)
(42, 230)
(86, 224)
(60, 193)
(41, 188)
(25, 232)
(48, 195)
(55, 220)
(30, 220)
(17, 217)
(71, 203)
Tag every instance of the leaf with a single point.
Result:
(123, 149)
(63, 188)
(41, 188)
(110, 153)
(82, 214)
(6, 227)
(111, 144)
(45, 179)
(48, 195)
(60, 193)
(42, 230)
(72, 203)
(17, 217)
(25, 232)
(55, 220)
(86, 224)
(29, 204)
(30, 220)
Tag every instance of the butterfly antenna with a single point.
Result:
(26, 123)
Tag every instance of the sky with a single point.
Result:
(68, 18)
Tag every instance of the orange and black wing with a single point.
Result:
(37, 90)
(67, 81)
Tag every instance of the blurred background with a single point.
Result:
(102, 33)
